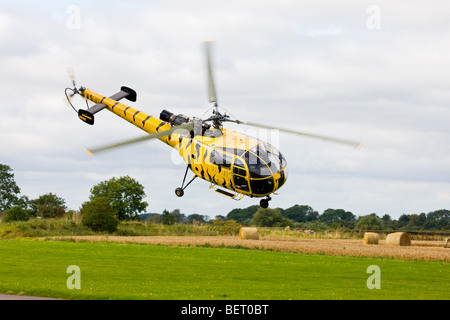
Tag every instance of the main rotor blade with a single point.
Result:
(306, 134)
(187, 126)
(211, 87)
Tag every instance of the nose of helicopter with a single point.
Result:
(267, 173)
(266, 184)
(279, 179)
(283, 177)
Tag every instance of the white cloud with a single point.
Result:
(314, 67)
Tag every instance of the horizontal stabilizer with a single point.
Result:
(88, 115)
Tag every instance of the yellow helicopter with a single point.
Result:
(235, 164)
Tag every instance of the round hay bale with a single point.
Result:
(371, 238)
(398, 239)
(248, 233)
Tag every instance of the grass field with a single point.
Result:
(140, 271)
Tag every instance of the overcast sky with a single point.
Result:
(375, 71)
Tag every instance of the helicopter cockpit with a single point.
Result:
(266, 170)
(258, 171)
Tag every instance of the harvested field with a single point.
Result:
(419, 250)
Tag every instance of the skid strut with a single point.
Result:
(180, 191)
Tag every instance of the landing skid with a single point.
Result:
(235, 196)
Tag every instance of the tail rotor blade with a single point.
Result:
(71, 74)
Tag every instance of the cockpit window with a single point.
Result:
(240, 175)
(274, 163)
(239, 167)
(271, 149)
(256, 166)
(261, 152)
(263, 160)
(235, 151)
(220, 158)
(282, 160)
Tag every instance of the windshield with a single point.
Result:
(262, 161)
(277, 154)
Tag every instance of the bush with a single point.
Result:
(270, 218)
(99, 215)
(226, 227)
(16, 214)
(10, 231)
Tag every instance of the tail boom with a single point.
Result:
(140, 119)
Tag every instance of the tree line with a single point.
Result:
(109, 202)
(122, 199)
(304, 216)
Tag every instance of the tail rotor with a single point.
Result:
(70, 92)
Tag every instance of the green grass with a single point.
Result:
(133, 271)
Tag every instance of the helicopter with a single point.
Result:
(235, 164)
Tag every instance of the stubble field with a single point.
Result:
(419, 250)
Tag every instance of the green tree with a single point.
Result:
(195, 217)
(369, 222)
(167, 218)
(403, 220)
(312, 216)
(125, 195)
(437, 220)
(9, 191)
(416, 221)
(300, 213)
(243, 216)
(172, 217)
(16, 213)
(48, 206)
(338, 216)
(270, 218)
(388, 223)
(99, 215)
